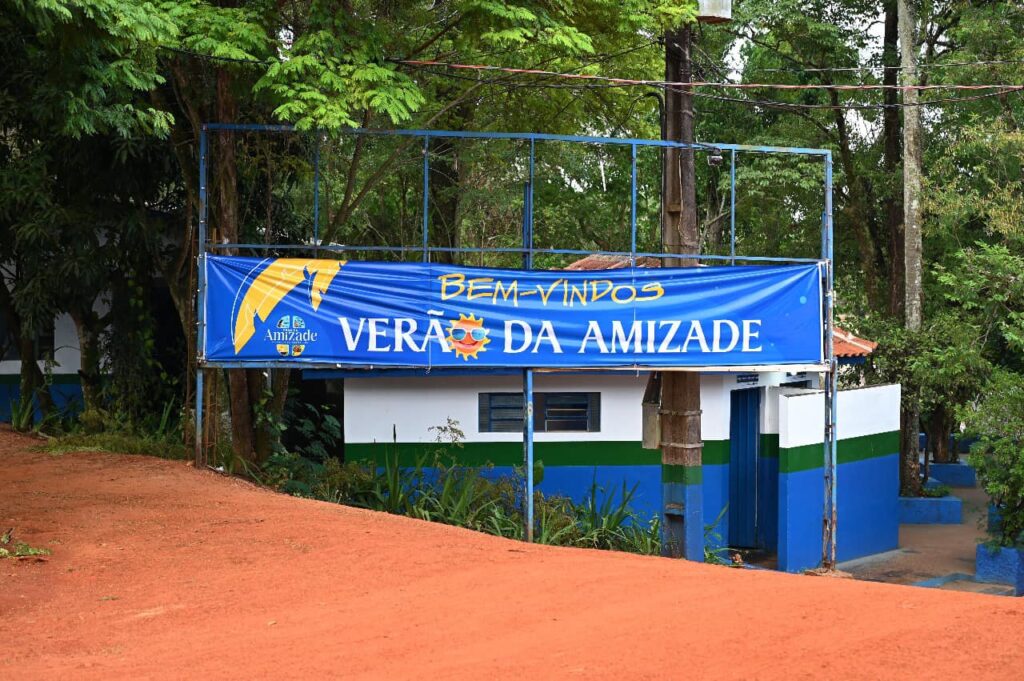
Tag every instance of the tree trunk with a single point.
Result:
(444, 198)
(681, 446)
(226, 181)
(31, 381)
(940, 427)
(893, 199)
(911, 207)
(910, 467)
(87, 326)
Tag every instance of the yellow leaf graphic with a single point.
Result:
(273, 284)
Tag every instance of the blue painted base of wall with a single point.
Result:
(1000, 566)
(931, 511)
(716, 499)
(868, 512)
(575, 482)
(868, 504)
(953, 474)
(66, 395)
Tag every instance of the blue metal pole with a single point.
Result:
(632, 206)
(316, 193)
(200, 453)
(528, 448)
(526, 224)
(529, 208)
(831, 389)
(732, 207)
(426, 197)
(528, 373)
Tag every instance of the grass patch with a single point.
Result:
(10, 548)
(117, 443)
(936, 492)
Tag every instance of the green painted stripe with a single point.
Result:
(583, 453)
(716, 452)
(808, 457)
(687, 475)
(587, 453)
(609, 453)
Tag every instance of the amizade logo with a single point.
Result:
(291, 335)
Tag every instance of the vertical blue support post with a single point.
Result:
(732, 207)
(632, 206)
(528, 244)
(528, 373)
(200, 453)
(831, 378)
(426, 197)
(528, 448)
(316, 193)
(526, 224)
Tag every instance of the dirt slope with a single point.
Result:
(160, 571)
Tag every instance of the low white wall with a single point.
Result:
(66, 353)
(380, 409)
(377, 409)
(863, 411)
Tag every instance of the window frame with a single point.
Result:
(544, 406)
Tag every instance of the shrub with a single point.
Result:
(998, 456)
(456, 495)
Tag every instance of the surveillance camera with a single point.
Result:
(715, 159)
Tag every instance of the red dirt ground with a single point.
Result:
(161, 571)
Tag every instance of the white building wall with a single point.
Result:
(381, 409)
(66, 352)
(863, 411)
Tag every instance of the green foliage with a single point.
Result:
(100, 430)
(455, 495)
(23, 411)
(118, 443)
(998, 457)
(714, 549)
(936, 492)
(9, 548)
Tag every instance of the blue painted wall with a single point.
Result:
(868, 494)
(868, 503)
(575, 482)
(66, 394)
(716, 496)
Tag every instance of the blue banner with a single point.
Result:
(374, 314)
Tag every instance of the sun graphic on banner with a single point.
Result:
(467, 337)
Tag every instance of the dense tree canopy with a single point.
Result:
(102, 101)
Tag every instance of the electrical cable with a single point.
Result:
(696, 84)
(753, 102)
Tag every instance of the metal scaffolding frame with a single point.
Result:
(528, 252)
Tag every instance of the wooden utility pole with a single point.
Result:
(912, 247)
(681, 446)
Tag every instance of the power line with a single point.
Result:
(629, 82)
(511, 85)
(882, 67)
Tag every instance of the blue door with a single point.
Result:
(744, 440)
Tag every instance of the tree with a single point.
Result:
(912, 244)
(77, 72)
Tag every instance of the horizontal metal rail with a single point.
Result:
(537, 137)
(338, 248)
(716, 368)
